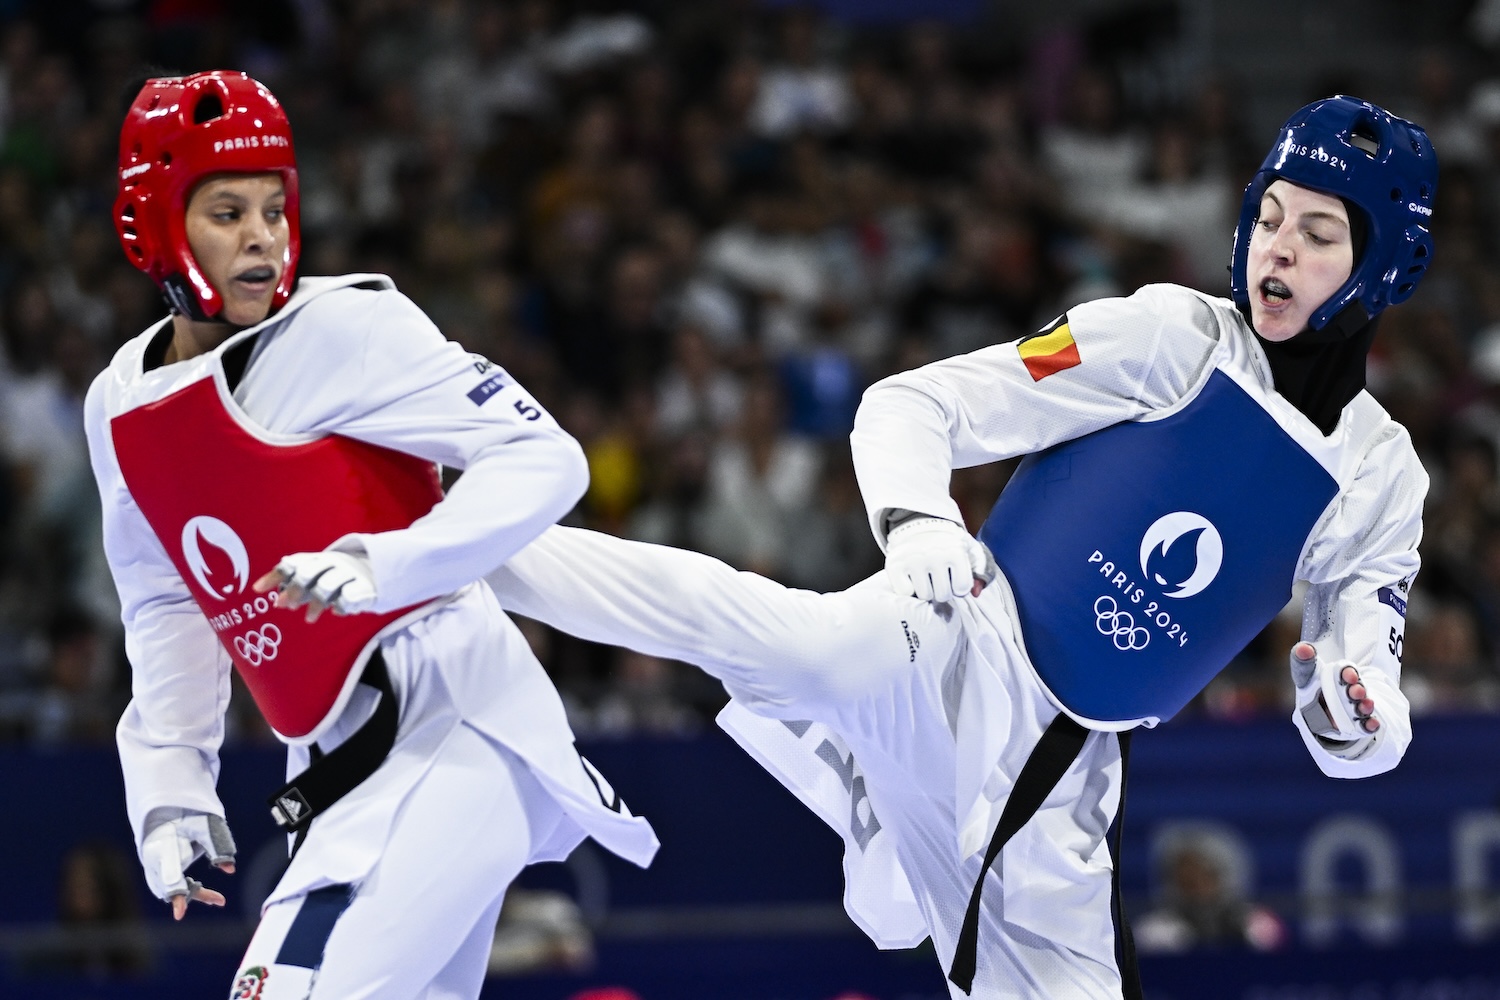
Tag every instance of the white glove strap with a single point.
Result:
(897, 516)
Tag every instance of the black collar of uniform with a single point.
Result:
(1320, 371)
(155, 354)
(235, 360)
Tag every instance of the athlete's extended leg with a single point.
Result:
(782, 652)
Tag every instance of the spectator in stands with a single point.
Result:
(79, 703)
(759, 481)
(1095, 150)
(801, 90)
(1202, 900)
(100, 933)
(1443, 667)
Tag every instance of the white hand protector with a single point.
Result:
(172, 845)
(936, 560)
(1334, 715)
(342, 582)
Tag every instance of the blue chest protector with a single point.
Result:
(1146, 555)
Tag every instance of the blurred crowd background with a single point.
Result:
(696, 232)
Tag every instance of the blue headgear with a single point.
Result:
(1381, 164)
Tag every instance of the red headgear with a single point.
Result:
(178, 131)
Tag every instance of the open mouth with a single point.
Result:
(1274, 291)
(256, 275)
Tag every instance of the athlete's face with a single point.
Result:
(1300, 254)
(238, 232)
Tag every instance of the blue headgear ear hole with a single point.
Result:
(1383, 165)
(1410, 264)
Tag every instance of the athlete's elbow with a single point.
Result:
(573, 472)
(553, 468)
(564, 479)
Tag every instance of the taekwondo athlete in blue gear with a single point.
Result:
(1189, 458)
(1215, 458)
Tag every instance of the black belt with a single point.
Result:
(335, 774)
(1049, 761)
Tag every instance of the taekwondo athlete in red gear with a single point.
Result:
(1189, 458)
(274, 443)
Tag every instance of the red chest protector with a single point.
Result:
(227, 504)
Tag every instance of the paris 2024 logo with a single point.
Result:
(1181, 554)
(219, 563)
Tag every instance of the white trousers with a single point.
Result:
(886, 674)
(420, 925)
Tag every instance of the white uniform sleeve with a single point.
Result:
(1135, 355)
(372, 366)
(1360, 566)
(170, 734)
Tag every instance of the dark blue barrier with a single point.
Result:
(1438, 812)
(732, 837)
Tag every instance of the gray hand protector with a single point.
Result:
(220, 841)
(173, 844)
(1323, 701)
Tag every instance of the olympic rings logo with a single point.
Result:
(1119, 625)
(258, 646)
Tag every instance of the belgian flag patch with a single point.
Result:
(1050, 351)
